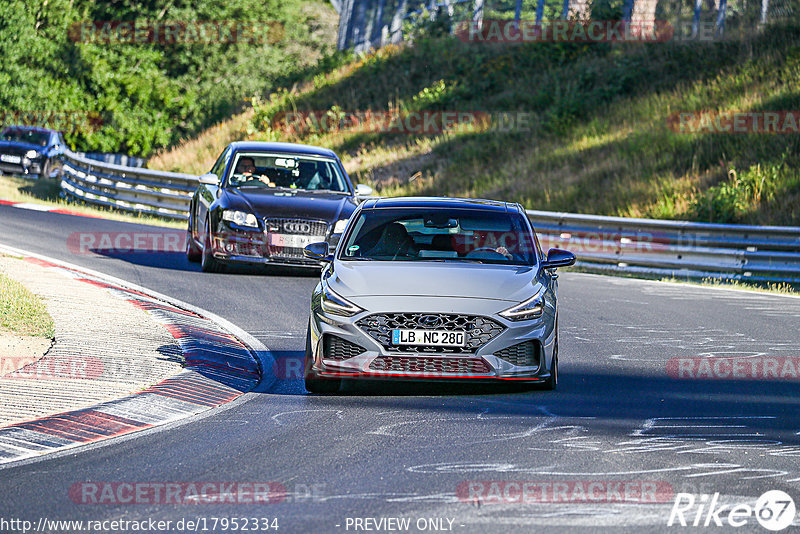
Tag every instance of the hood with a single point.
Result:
(434, 279)
(293, 203)
(23, 146)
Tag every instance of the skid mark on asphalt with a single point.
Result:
(716, 436)
(677, 341)
(758, 303)
(277, 417)
(418, 428)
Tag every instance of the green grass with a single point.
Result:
(22, 312)
(47, 192)
(601, 141)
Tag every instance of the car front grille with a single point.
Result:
(525, 354)
(336, 348)
(479, 330)
(14, 151)
(421, 365)
(305, 227)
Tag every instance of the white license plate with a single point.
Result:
(294, 241)
(8, 158)
(433, 338)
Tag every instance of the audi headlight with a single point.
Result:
(335, 304)
(339, 227)
(528, 309)
(240, 218)
(30, 154)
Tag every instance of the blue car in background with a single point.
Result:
(30, 150)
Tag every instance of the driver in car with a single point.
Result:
(246, 167)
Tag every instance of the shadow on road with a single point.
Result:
(177, 261)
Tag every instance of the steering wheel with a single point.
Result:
(404, 248)
(485, 249)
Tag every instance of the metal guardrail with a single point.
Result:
(607, 244)
(678, 249)
(166, 194)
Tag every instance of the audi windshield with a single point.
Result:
(440, 235)
(286, 171)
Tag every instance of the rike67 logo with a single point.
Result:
(774, 510)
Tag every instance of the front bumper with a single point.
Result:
(251, 247)
(522, 351)
(33, 167)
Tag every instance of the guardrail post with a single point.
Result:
(720, 25)
(477, 14)
(698, 6)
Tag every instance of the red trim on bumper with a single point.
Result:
(441, 377)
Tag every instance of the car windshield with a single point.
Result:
(25, 136)
(288, 171)
(440, 235)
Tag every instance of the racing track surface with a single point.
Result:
(403, 450)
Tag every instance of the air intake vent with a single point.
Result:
(336, 348)
(418, 365)
(525, 354)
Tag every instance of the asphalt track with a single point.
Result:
(407, 450)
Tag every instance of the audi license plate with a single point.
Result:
(8, 158)
(294, 241)
(434, 338)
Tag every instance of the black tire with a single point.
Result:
(208, 263)
(46, 168)
(551, 384)
(313, 383)
(193, 252)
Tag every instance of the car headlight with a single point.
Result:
(30, 154)
(339, 227)
(335, 304)
(240, 218)
(528, 309)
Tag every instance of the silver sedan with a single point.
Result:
(435, 289)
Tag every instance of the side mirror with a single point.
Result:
(317, 251)
(209, 179)
(363, 190)
(558, 258)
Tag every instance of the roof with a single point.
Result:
(440, 203)
(283, 148)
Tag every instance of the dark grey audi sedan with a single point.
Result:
(435, 288)
(262, 203)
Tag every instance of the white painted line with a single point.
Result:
(263, 354)
(32, 206)
(170, 412)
